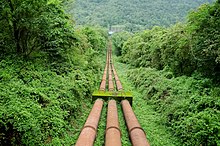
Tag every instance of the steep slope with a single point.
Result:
(134, 14)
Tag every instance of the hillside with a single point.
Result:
(134, 14)
(177, 70)
(45, 77)
(50, 68)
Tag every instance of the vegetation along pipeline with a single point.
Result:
(63, 62)
(114, 95)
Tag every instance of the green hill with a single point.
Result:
(134, 14)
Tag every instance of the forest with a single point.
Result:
(48, 69)
(181, 70)
(134, 15)
(50, 66)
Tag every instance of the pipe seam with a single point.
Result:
(89, 126)
(134, 128)
(113, 127)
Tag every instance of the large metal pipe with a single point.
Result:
(110, 53)
(118, 82)
(137, 134)
(119, 85)
(103, 82)
(102, 85)
(89, 130)
(113, 133)
(110, 80)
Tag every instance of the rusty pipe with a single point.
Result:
(103, 82)
(119, 85)
(110, 71)
(113, 133)
(89, 130)
(116, 77)
(118, 82)
(104, 76)
(110, 80)
(103, 85)
(137, 134)
(110, 85)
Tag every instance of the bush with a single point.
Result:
(183, 48)
(40, 98)
(37, 105)
(190, 106)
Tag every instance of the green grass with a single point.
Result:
(125, 136)
(79, 122)
(151, 121)
(100, 139)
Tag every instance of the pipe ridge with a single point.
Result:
(89, 126)
(113, 127)
(134, 128)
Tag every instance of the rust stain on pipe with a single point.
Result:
(118, 82)
(113, 133)
(116, 77)
(110, 83)
(110, 79)
(103, 85)
(119, 86)
(89, 130)
(137, 134)
(103, 82)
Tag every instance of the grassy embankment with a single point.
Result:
(151, 121)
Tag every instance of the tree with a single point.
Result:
(118, 41)
(33, 26)
(204, 28)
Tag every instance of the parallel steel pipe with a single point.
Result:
(118, 82)
(110, 78)
(102, 86)
(113, 133)
(110, 83)
(137, 134)
(89, 130)
(103, 82)
(119, 86)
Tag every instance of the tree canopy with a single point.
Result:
(48, 67)
(134, 14)
(178, 70)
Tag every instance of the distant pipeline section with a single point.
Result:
(113, 95)
(117, 94)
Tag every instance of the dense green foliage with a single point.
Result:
(150, 120)
(133, 14)
(184, 48)
(118, 40)
(47, 69)
(204, 30)
(190, 107)
(186, 89)
(28, 26)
